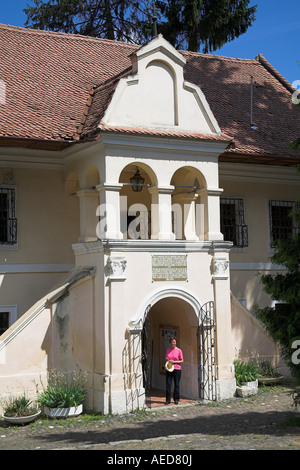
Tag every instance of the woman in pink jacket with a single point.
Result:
(175, 357)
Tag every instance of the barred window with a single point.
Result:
(4, 322)
(8, 315)
(233, 224)
(8, 221)
(282, 224)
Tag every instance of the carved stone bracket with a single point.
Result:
(220, 268)
(116, 268)
(135, 329)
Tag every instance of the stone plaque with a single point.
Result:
(169, 268)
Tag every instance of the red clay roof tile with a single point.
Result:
(59, 85)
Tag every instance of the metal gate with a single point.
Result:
(147, 353)
(206, 352)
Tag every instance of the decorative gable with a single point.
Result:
(156, 96)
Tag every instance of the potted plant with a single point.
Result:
(64, 395)
(246, 375)
(269, 375)
(20, 409)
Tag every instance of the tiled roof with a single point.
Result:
(226, 83)
(48, 79)
(59, 85)
(162, 133)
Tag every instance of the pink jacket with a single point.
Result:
(174, 355)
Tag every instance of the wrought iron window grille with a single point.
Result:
(233, 224)
(8, 220)
(282, 224)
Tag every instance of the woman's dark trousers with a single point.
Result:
(175, 375)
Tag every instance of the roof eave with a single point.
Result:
(257, 158)
(43, 144)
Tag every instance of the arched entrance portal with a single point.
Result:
(194, 328)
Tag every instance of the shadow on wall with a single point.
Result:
(250, 339)
(28, 349)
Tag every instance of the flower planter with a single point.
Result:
(252, 384)
(63, 412)
(244, 391)
(270, 380)
(21, 419)
(247, 389)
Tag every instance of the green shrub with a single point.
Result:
(18, 406)
(63, 390)
(296, 398)
(267, 370)
(245, 372)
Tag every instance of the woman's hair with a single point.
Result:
(171, 339)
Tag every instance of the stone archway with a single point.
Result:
(168, 316)
(168, 310)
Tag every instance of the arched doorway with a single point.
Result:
(175, 312)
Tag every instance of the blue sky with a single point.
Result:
(275, 33)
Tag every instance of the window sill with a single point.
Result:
(5, 247)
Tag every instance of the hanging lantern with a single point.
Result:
(137, 181)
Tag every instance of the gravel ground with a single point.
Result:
(266, 421)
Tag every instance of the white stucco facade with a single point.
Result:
(79, 217)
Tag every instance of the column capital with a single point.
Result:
(220, 268)
(210, 191)
(161, 189)
(91, 192)
(109, 187)
(115, 268)
(189, 197)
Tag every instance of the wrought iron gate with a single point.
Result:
(207, 352)
(147, 353)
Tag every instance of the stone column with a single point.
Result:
(187, 203)
(211, 200)
(116, 328)
(161, 213)
(109, 211)
(89, 201)
(226, 383)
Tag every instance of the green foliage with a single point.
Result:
(267, 370)
(245, 372)
(207, 23)
(295, 145)
(187, 24)
(63, 391)
(283, 321)
(18, 406)
(296, 398)
(111, 19)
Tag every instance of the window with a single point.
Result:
(233, 221)
(8, 221)
(8, 315)
(4, 322)
(282, 225)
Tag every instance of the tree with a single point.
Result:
(207, 23)
(187, 24)
(126, 20)
(295, 145)
(283, 321)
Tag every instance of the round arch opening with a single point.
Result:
(167, 316)
(136, 206)
(189, 214)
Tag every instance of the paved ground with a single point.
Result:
(265, 422)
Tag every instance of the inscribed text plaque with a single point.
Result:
(169, 268)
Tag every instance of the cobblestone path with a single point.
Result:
(264, 422)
